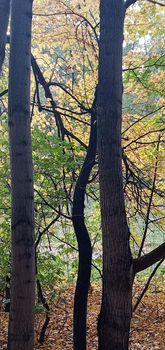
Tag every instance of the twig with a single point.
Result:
(147, 285)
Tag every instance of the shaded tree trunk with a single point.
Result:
(21, 320)
(4, 18)
(115, 316)
(84, 243)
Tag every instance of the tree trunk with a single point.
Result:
(115, 316)
(4, 18)
(84, 243)
(21, 322)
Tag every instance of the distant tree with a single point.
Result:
(21, 321)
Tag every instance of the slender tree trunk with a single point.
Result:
(21, 322)
(115, 316)
(84, 243)
(4, 18)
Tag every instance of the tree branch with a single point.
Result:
(156, 3)
(128, 3)
(3, 93)
(149, 259)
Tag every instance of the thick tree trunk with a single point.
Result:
(21, 322)
(84, 243)
(115, 316)
(4, 18)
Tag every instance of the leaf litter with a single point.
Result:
(147, 326)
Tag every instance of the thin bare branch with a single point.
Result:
(156, 3)
(147, 285)
(128, 3)
(150, 202)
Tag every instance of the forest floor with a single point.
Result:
(147, 329)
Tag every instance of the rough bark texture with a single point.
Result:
(84, 244)
(21, 322)
(4, 18)
(115, 316)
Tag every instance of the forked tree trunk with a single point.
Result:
(115, 315)
(4, 18)
(21, 323)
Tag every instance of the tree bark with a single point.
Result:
(4, 18)
(84, 243)
(116, 309)
(21, 321)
